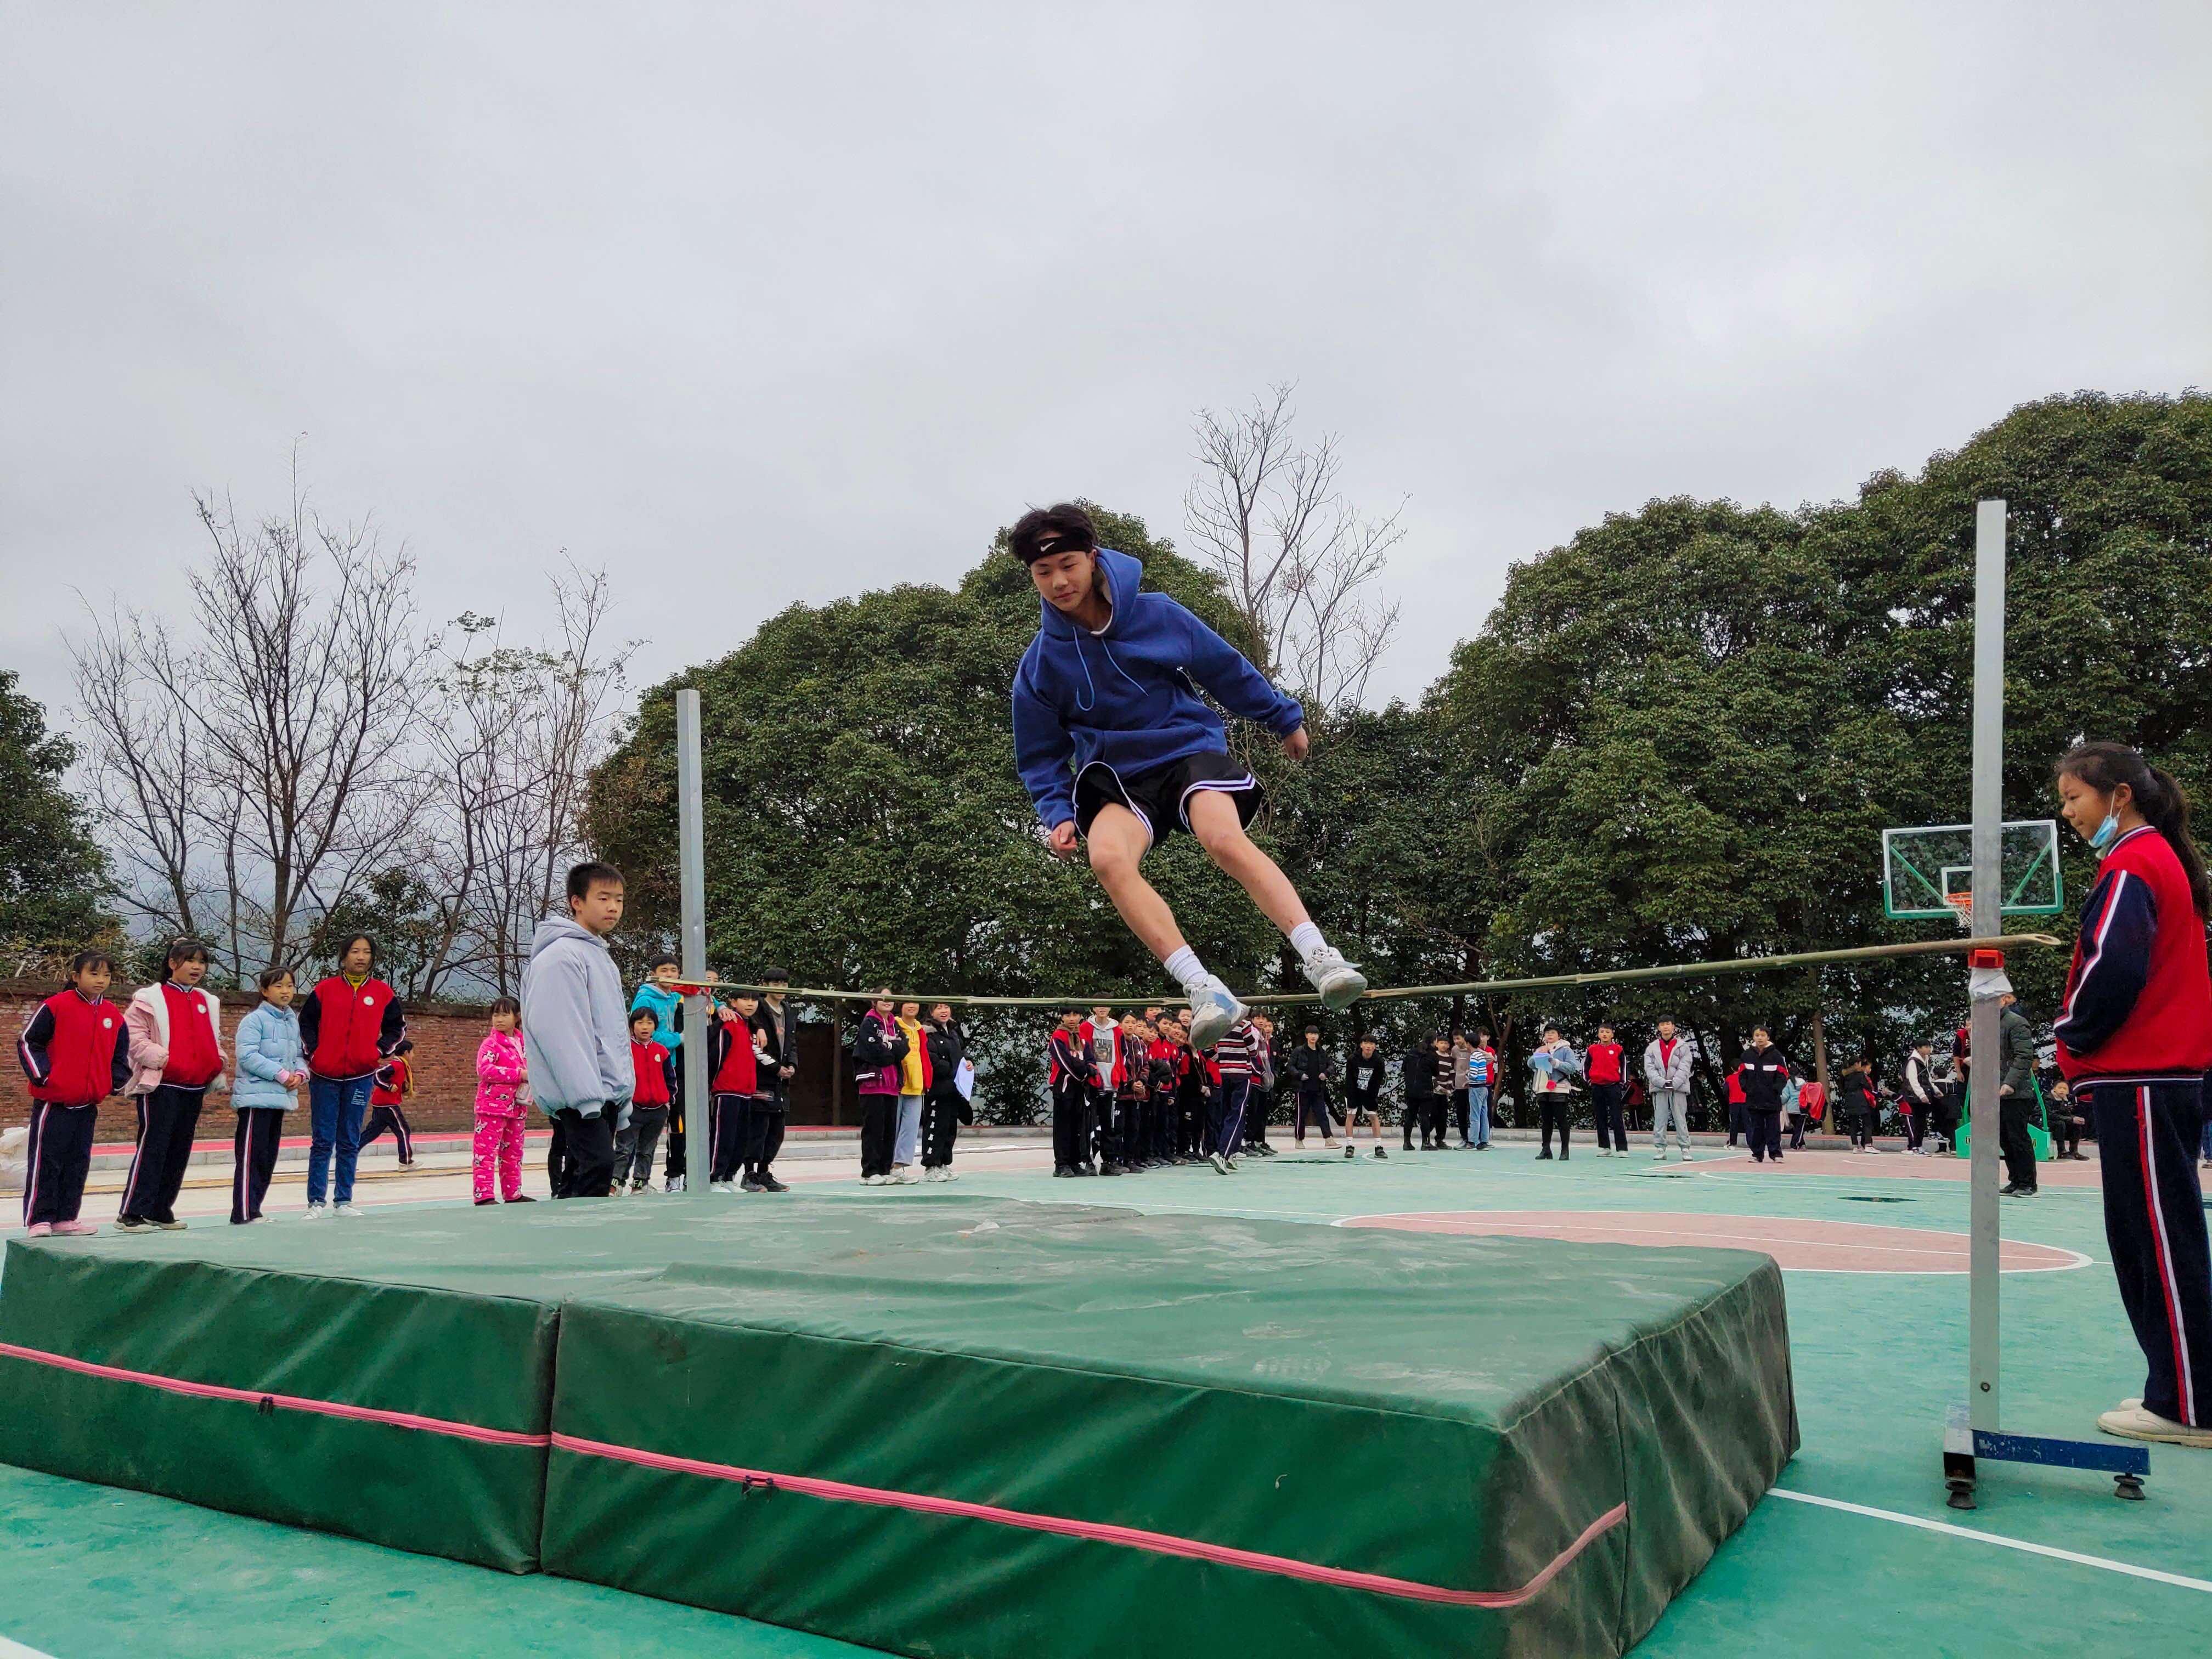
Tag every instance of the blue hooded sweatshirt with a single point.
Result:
(1128, 696)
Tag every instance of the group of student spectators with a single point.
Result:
(610, 1085)
(345, 1042)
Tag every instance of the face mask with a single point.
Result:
(2106, 832)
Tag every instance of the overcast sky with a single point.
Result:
(757, 303)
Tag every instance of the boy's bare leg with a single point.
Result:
(1214, 821)
(1219, 829)
(1117, 841)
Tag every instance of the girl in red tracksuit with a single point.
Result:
(2135, 1038)
(77, 1052)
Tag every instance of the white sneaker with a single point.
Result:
(1659, 1156)
(1339, 983)
(872, 1181)
(1213, 1010)
(1686, 1154)
(675, 1184)
(319, 1212)
(2133, 1422)
(350, 1210)
(906, 1178)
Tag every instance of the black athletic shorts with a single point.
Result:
(1162, 796)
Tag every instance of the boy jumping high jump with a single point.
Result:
(1117, 748)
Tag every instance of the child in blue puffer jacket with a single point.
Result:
(271, 1066)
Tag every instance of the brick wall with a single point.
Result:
(446, 1038)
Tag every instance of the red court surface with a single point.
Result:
(1896, 1166)
(1799, 1245)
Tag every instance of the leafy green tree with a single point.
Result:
(54, 882)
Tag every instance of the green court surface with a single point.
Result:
(1877, 1357)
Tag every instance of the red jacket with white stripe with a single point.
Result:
(74, 1050)
(2138, 1006)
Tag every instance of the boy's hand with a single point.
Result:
(1297, 744)
(1062, 839)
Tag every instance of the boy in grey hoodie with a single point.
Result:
(576, 1031)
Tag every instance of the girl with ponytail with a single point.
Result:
(2135, 1038)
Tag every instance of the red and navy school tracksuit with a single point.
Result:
(2135, 1039)
(168, 1116)
(1072, 1075)
(387, 1107)
(76, 1052)
(737, 1076)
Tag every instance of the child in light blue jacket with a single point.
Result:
(271, 1066)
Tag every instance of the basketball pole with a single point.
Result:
(691, 841)
(1982, 1394)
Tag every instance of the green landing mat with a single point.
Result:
(953, 1426)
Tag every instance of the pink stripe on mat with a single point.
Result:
(287, 1402)
(1130, 1537)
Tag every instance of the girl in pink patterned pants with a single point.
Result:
(502, 1077)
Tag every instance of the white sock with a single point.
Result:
(1189, 971)
(1305, 939)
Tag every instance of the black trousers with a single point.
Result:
(253, 1152)
(166, 1120)
(1463, 1110)
(1312, 1103)
(588, 1166)
(2012, 1140)
(56, 1159)
(1100, 1144)
(1132, 1150)
(674, 1169)
(1950, 1103)
(879, 1130)
(1071, 1125)
(940, 1126)
(1424, 1116)
(729, 1118)
(1765, 1132)
(557, 1157)
(635, 1145)
(2066, 1131)
(394, 1118)
(1190, 1118)
(1550, 1111)
(1739, 1121)
(2148, 1135)
(1916, 1121)
(769, 1114)
(1606, 1098)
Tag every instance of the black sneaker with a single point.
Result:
(750, 1185)
(770, 1184)
(1109, 1168)
(482, 1201)
(1543, 1158)
(131, 1223)
(1379, 1153)
(522, 1198)
(1351, 1152)
(1062, 1173)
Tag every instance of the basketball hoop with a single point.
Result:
(1963, 905)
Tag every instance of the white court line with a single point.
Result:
(2132, 1571)
(17, 1650)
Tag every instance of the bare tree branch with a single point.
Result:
(1297, 559)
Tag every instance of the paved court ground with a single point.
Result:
(1856, 1554)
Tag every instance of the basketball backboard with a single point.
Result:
(1925, 871)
